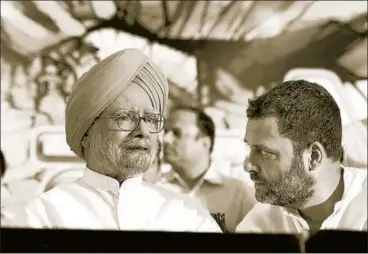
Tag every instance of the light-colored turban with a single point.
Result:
(103, 83)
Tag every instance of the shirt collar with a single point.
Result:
(350, 191)
(213, 175)
(106, 183)
(352, 186)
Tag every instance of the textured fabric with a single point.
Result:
(99, 202)
(349, 214)
(103, 83)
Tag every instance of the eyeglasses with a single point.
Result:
(129, 121)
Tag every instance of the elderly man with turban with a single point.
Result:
(113, 116)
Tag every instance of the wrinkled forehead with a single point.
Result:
(183, 120)
(182, 116)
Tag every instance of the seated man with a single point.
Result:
(113, 117)
(188, 143)
(294, 133)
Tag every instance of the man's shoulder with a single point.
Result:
(266, 212)
(57, 196)
(181, 205)
(357, 171)
(171, 196)
(263, 218)
(356, 176)
(261, 208)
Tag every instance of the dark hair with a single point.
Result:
(204, 122)
(2, 163)
(307, 113)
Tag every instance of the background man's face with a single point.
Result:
(279, 174)
(181, 142)
(129, 153)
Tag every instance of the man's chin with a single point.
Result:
(138, 161)
(264, 196)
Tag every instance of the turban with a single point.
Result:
(103, 83)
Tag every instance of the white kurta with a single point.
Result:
(98, 202)
(349, 214)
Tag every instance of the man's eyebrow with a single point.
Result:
(151, 110)
(119, 111)
(135, 109)
(263, 147)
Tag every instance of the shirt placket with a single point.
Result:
(130, 215)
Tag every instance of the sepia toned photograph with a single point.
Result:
(184, 126)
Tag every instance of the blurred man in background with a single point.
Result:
(113, 117)
(188, 144)
(294, 132)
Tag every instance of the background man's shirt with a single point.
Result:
(226, 198)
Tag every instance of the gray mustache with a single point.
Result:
(254, 176)
(137, 143)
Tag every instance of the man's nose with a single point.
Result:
(249, 164)
(142, 130)
(246, 164)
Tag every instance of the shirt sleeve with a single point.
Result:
(264, 218)
(252, 222)
(206, 223)
(209, 225)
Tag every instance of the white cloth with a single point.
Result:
(350, 213)
(228, 199)
(5, 194)
(355, 144)
(96, 201)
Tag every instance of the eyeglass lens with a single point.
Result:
(129, 121)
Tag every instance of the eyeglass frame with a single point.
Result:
(116, 117)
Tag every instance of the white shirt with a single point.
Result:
(350, 213)
(228, 199)
(5, 194)
(96, 201)
(355, 144)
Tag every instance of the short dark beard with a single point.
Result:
(293, 189)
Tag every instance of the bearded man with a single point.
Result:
(113, 116)
(294, 132)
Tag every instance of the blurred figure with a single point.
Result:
(294, 133)
(188, 144)
(113, 117)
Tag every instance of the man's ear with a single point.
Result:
(206, 142)
(316, 155)
(85, 141)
